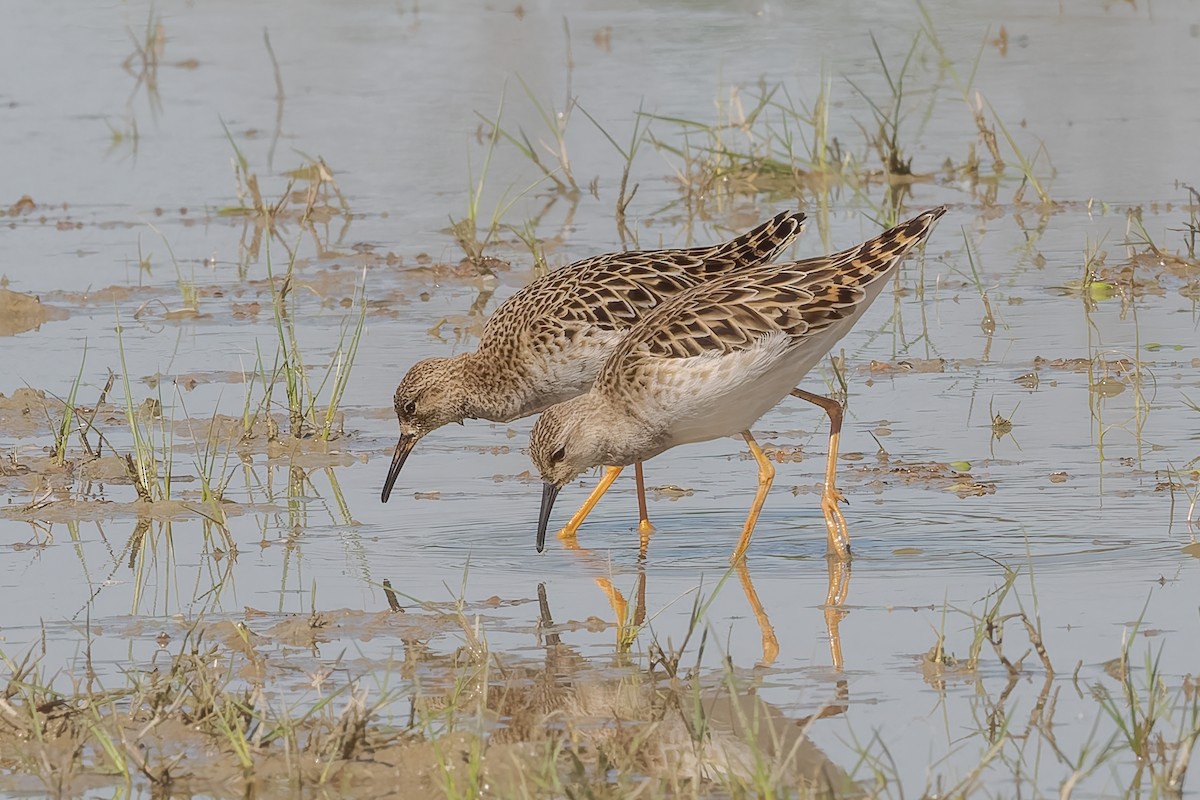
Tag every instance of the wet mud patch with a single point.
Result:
(22, 312)
(25, 414)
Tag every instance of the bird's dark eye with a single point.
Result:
(409, 408)
(558, 455)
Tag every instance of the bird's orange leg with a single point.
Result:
(567, 534)
(835, 523)
(644, 526)
(766, 474)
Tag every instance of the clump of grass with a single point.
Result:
(1144, 731)
(76, 419)
(303, 399)
(1177, 479)
(966, 87)
(1140, 714)
(248, 190)
(149, 462)
(1001, 425)
(1191, 228)
(189, 295)
(113, 732)
(1136, 235)
(66, 424)
(750, 148)
(987, 323)
(889, 115)
(1028, 164)
(253, 411)
(1094, 257)
(466, 231)
(764, 141)
(527, 233)
(320, 199)
(975, 101)
(625, 194)
(557, 168)
(555, 122)
(214, 477)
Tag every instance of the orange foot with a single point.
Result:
(835, 523)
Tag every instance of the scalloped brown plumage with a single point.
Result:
(546, 343)
(716, 357)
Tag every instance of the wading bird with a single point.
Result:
(546, 343)
(712, 360)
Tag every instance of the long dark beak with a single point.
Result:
(403, 448)
(549, 492)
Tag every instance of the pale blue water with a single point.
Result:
(389, 98)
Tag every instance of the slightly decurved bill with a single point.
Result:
(403, 448)
(549, 492)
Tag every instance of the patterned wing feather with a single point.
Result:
(762, 244)
(735, 311)
(756, 246)
(611, 292)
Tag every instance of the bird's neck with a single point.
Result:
(492, 392)
(622, 438)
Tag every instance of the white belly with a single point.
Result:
(708, 397)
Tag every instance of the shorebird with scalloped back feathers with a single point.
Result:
(712, 360)
(547, 342)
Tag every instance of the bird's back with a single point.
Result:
(784, 308)
(614, 290)
(555, 333)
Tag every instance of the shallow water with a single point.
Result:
(1077, 495)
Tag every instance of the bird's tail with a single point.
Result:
(876, 257)
(760, 245)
